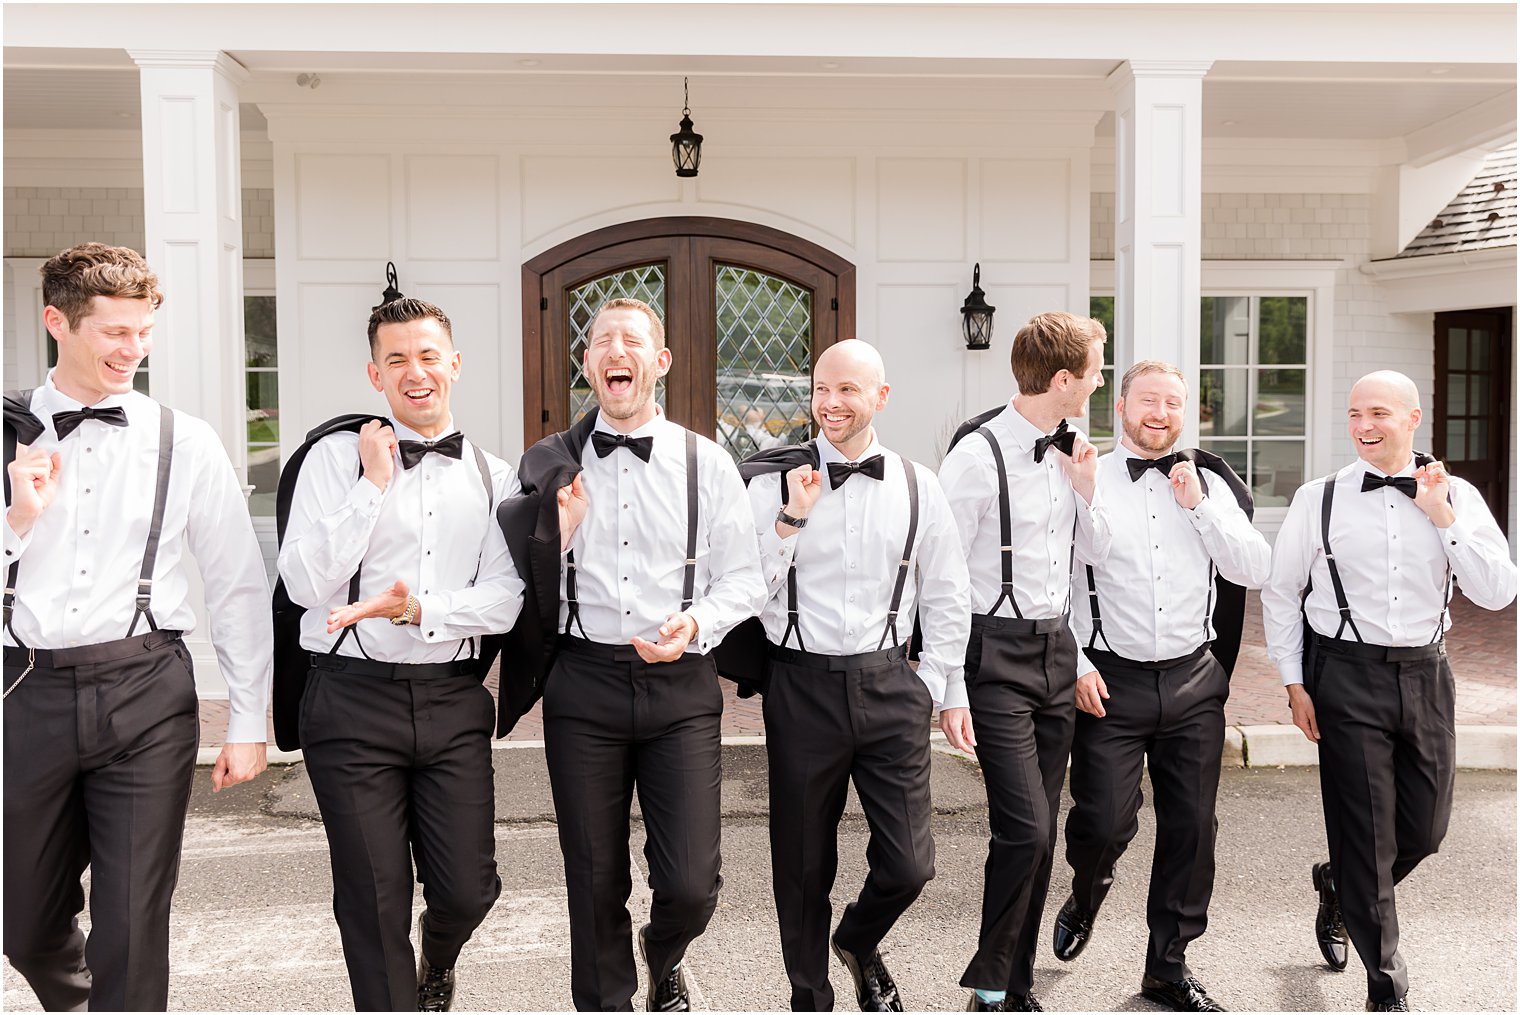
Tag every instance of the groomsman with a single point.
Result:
(658, 562)
(1157, 697)
(1021, 488)
(106, 492)
(1377, 545)
(854, 541)
(392, 547)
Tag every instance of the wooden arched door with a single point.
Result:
(746, 308)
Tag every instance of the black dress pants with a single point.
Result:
(1387, 764)
(1021, 677)
(1172, 712)
(401, 768)
(830, 719)
(613, 722)
(100, 749)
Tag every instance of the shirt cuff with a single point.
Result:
(955, 694)
(1205, 514)
(431, 610)
(16, 545)
(1291, 670)
(366, 496)
(246, 728)
(771, 542)
(703, 615)
(1454, 535)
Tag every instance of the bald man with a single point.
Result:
(1378, 544)
(853, 540)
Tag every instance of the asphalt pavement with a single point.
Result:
(253, 927)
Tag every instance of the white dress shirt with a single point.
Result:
(847, 560)
(1044, 509)
(430, 528)
(1155, 588)
(77, 583)
(1392, 562)
(630, 549)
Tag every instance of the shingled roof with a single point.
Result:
(1480, 217)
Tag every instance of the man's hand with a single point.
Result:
(1430, 497)
(377, 453)
(1082, 468)
(1091, 693)
(34, 482)
(1303, 711)
(238, 763)
(675, 634)
(388, 604)
(956, 724)
(1185, 485)
(804, 484)
(573, 505)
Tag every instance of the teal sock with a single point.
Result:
(991, 996)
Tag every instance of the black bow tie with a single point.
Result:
(412, 452)
(66, 423)
(1407, 485)
(875, 467)
(1139, 466)
(606, 443)
(1063, 438)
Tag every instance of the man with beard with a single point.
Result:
(844, 563)
(1363, 656)
(1158, 694)
(107, 490)
(1021, 488)
(395, 723)
(659, 563)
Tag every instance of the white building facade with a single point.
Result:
(1230, 186)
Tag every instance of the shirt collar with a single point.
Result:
(406, 433)
(1020, 429)
(1361, 466)
(647, 430)
(52, 400)
(827, 452)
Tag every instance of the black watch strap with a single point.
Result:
(786, 519)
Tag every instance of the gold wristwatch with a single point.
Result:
(409, 614)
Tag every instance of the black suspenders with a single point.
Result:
(1335, 576)
(689, 575)
(1005, 526)
(897, 591)
(142, 604)
(353, 583)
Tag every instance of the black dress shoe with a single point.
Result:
(1073, 928)
(977, 1004)
(435, 986)
(1397, 1004)
(1178, 995)
(1022, 1002)
(875, 990)
(1329, 928)
(667, 991)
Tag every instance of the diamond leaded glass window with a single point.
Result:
(765, 357)
(645, 283)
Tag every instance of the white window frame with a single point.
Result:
(258, 280)
(1314, 280)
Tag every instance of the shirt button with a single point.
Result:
(430, 634)
(430, 553)
(88, 450)
(625, 472)
(86, 489)
(627, 613)
(430, 514)
(87, 532)
(82, 571)
(625, 507)
(625, 542)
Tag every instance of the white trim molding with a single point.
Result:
(1456, 281)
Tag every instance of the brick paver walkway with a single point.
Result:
(1481, 645)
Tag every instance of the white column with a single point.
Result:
(193, 210)
(1158, 237)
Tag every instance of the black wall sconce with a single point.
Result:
(686, 144)
(976, 315)
(391, 293)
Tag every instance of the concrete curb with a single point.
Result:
(1274, 746)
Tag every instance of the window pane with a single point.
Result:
(1233, 452)
(765, 359)
(264, 474)
(1277, 470)
(1280, 402)
(263, 408)
(1102, 308)
(1456, 348)
(1100, 408)
(1282, 331)
(1456, 394)
(1479, 360)
(1477, 440)
(647, 284)
(1222, 403)
(258, 331)
(1224, 330)
(1479, 384)
(1456, 440)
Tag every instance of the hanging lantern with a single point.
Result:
(686, 144)
(976, 315)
